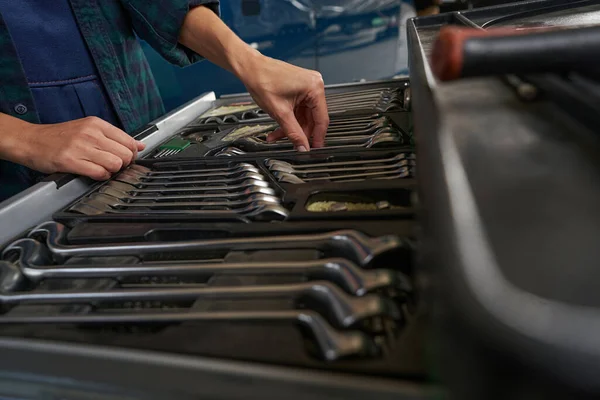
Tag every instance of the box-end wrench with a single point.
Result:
(341, 309)
(151, 178)
(117, 203)
(149, 172)
(271, 163)
(260, 210)
(31, 263)
(234, 190)
(120, 194)
(354, 245)
(135, 181)
(402, 172)
(305, 173)
(332, 344)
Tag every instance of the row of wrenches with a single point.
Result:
(399, 166)
(344, 295)
(375, 100)
(239, 189)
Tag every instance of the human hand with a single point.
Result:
(90, 146)
(292, 96)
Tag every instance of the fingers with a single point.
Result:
(292, 129)
(110, 146)
(276, 135)
(119, 136)
(90, 169)
(104, 159)
(320, 121)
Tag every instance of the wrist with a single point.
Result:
(245, 62)
(16, 139)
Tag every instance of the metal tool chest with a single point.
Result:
(224, 258)
(456, 260)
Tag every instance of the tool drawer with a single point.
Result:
(220, 243)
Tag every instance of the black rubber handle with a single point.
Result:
(465, 52)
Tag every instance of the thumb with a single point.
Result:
(292, 129)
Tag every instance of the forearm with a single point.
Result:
(205, 33)
(13, 135)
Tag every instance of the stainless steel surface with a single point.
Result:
(578, 17)
(353, 245)
(332, 344)
(35, 205)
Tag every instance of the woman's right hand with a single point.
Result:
(90, 146)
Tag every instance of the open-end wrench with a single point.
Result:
(251, 190)
(332, 344)
(149, 172)
(137, 182)
(32, 259)
(379, 108)
(271, 163)
(234, 190)
(117, 203)
(341, 309)
(332, 136)
(151, 178)
(307, 172)
(262, 209)
(402, 172)
(356, 92)
(363, 121)
(231, 151)
(253, 145)
(350, 244)
(366, 100)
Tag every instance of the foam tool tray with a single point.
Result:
(328, 295)
(344, 133)
(357, 184)
(384, 97)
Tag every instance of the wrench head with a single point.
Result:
(110, 201)
(114, 192)
(11, 278)
(258, 198)
(29, 253)
(287, 178)
(282, 167)
(139, 168)
(128, 178)
(121, 186)
(263, 210)
(91, 207)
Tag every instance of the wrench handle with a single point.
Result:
(467, 52)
